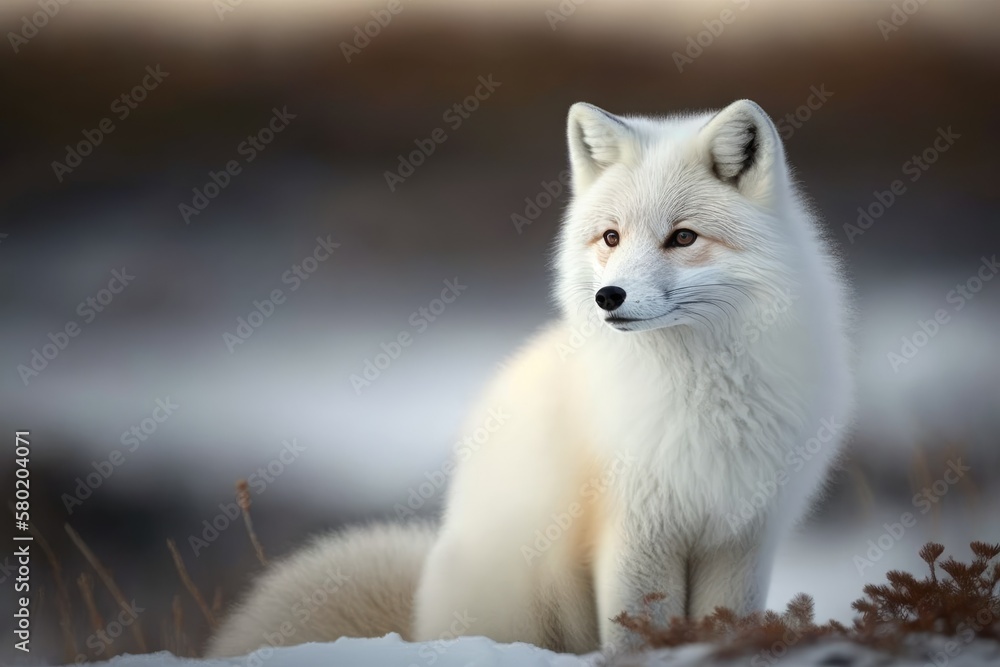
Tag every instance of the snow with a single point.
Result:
(388, 650)
(391, 650)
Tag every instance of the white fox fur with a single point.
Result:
(357, 583)
(663, 447)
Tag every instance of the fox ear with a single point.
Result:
(597, 140)
(743, 148)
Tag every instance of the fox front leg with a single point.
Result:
(641, 577)
(734, 575)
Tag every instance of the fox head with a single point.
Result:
(679, 221)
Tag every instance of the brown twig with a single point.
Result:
(189, 585)
(243, 500)
(864, 489)
(178, 614)
(62, 594)
(38, 602)
(86, 584)
(110, 584)
(217, 600)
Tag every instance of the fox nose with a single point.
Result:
(610, 297)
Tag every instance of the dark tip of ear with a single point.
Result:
(607, 114)
(611, 116)
(749, 149)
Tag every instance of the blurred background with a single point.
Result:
(128, 253)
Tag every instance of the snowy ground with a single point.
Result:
(479, 651)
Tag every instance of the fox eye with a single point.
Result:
(611, 238)
(681, 238)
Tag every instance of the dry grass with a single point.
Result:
(63, 604)
(964, 602)
(176, 630)
(954, 598)
(86, 583)
(733, 633)
(190, 585)
(135, 627)
(967, 598)
(243, 500)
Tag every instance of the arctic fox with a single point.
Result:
(662, 437)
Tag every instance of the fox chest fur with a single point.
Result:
(704, 435)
